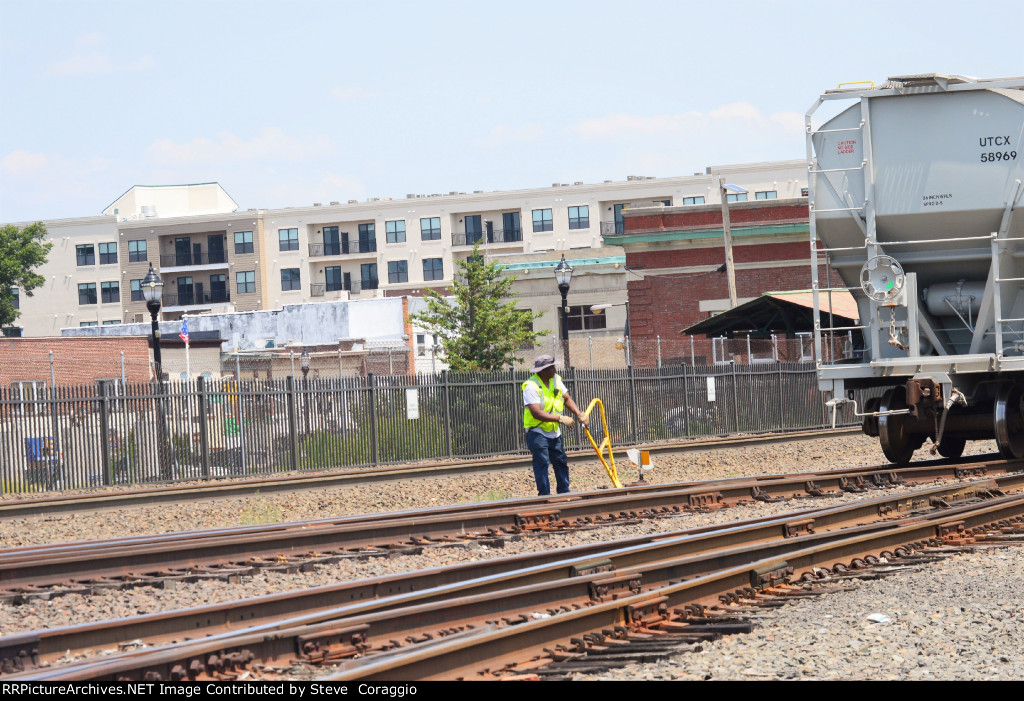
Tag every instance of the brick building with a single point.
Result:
(75, 361)
(676, 255)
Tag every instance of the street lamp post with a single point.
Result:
(730, 267)
(304, 364)
(152, 292)
(563, 275)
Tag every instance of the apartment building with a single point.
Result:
(214, 258)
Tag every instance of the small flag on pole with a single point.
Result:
(184, 330)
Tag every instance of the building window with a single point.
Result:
(395, 231)
(804, 192)
(11, 332)
(88, 323)
(290, 279)
(289, 239)
(368, 275)
(430, 228)
(333, 278)
(137, 251)
(579, 217)
(245, 282)
(110, 292)
(87, 293)
(112, 322)
(16, 297)
(367, 238)
(767, 195)
(736, 197)
(582, 319)
(542, 220)
(86, 254)
(108, 253)
(433, 269)
(136, 291)
(243, 242)
(699, 199)
(398, 271)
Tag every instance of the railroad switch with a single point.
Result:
(759, 495)
(706, 500)
(537, 520)
(648, 614)
(770, 575)
(613, 588)
(814, 490)
(955, 533)
(856, 485)
(797, 528)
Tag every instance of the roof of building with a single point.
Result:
(787, 312)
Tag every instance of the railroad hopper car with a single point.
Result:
(915, 191)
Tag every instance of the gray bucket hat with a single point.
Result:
(542, 362)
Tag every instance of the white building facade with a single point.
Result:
(214, 258)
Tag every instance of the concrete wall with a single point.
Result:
(307, 324)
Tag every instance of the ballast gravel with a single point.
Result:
(966, 608)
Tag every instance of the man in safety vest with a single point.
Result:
(544, 397)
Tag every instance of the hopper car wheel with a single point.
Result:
(1009, 420)
(952, 447)
(897, 443)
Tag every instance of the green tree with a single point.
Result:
(478, 331)
(21, 252)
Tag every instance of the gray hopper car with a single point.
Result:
(915, 199)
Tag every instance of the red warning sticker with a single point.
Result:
(847, 146)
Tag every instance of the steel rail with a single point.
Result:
(79, 502)
(506, 651)
(559, 584)
(24, 571)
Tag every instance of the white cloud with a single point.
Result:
(354, 92)
(506, 134)
(625, 125)
(271, 144)
(89, 39)
(98, 63)
(23, 162)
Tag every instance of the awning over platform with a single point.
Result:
(780, 313)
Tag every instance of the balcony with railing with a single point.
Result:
(334, 289)
(612, 228)
(505, 236)
(495, 236)
(184, 259)
(341, 248)
(194, 296)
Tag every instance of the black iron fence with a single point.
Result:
(113, 433)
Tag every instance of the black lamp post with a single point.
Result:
(563, 275)
(152, 292)
(304, 364)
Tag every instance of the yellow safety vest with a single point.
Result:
(554, 403)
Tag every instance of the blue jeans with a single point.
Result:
(548, 450)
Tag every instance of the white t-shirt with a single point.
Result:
(532, 395)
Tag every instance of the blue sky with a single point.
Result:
(290, 103)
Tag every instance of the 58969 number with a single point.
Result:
(993, 156)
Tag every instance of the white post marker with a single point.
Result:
(641, 460)
(412, 403)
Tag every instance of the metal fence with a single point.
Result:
(121, 433)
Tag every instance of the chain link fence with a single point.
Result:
(248, 423)
(604, 352)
